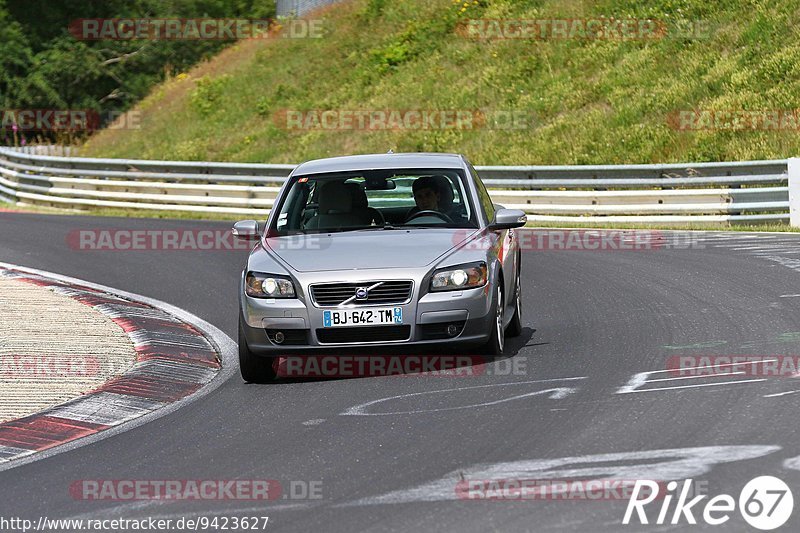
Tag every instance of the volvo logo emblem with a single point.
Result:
(362, 293)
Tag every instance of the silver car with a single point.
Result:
(379, 250)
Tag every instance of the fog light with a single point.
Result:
(279, 337)
(452, 330)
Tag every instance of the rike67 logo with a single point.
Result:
(766, 503)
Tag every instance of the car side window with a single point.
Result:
(483, 194)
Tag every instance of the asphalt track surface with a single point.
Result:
(593, 321)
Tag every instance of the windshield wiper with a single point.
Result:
(428, 226)
(375, 228)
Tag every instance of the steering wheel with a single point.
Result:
(429, 212)
(377, 216)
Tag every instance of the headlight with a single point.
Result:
(260, 285)
(459, 277)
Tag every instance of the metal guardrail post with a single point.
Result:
(794, 191)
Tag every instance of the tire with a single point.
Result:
(494, 346)
(254, 369)
(514, 328)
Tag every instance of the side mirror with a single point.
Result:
(508, 218)
(247, 230)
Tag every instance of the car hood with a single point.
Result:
(396, 248)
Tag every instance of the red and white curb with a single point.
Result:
(179, 357)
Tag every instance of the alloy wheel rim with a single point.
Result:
(499, 325)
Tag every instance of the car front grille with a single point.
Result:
(386, 292)
(364, 334)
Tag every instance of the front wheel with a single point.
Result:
(494, 346)
(254, 369)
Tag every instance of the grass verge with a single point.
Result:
(581, 100)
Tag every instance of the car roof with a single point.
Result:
(380, 162)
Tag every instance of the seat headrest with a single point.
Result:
(334, 196)
(358, 194)
(445, 188)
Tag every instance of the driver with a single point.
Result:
(433, 193)
(426, 194)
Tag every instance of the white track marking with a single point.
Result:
(120, 509)
(268, 507)
(716, 366)
(556, 393)
(766, 255)
(224, 345)
(694, 377)
(792, 463)
(735, 239)
(676, 463)
(700, 385)
(758, 250)
(750, 246)
(780, 394)
(794, 264)
(641, 379)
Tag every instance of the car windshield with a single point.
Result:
(376, 199)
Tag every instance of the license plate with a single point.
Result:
(362, 317)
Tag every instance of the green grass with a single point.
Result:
(593, 101)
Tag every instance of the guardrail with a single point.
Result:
(664, 193)
(46, 149)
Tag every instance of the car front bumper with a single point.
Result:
(425, 323)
